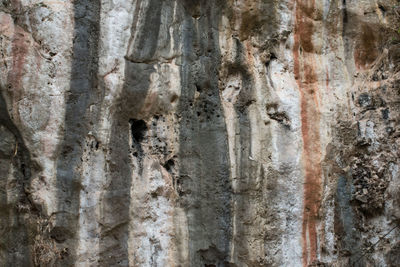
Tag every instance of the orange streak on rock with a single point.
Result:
(19, 51)
(306, 78)
(249, 55)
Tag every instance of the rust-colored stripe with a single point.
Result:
(305, 75)
(20, 50)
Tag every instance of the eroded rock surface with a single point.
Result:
(199, 133)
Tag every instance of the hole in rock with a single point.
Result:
(138, 128)
(169, 164)
(382, 8)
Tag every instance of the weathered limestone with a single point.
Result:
(199, 133)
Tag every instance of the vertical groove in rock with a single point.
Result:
(115, 200)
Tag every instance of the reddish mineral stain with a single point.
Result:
(20, 49)
(366, 50)
(306, 78)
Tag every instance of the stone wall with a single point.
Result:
(199, 133)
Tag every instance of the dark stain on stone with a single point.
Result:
(385, 114)
(115, 202)
(128, 125)
(145, 45)
(393, 255)
(16, 240)
(16, 228)
(364, 100)
(83, 91)
(344, 226)
(251, 22)
(366, 51)
(203, 183)
(345, 18)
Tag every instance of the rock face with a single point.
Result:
(199, 133)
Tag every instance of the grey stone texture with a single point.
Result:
(199, 133)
